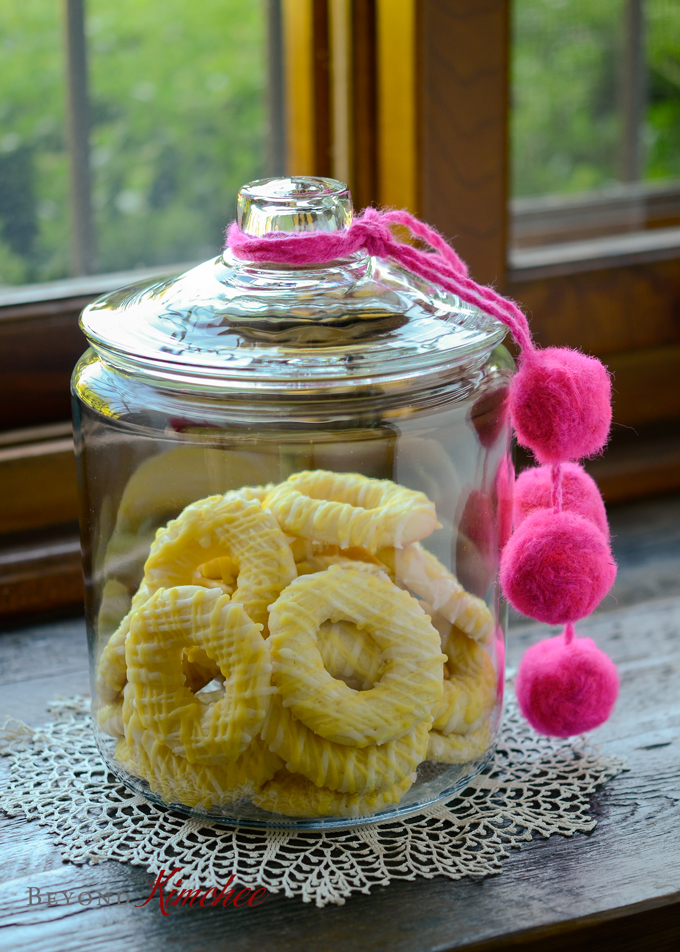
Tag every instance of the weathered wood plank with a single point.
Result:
(463, 128)
(618, 887)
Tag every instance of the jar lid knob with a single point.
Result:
(297, 203)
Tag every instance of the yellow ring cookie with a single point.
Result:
(175, 780)
(350, 655)
(237, 537)
(339, 767)
(160, 630)
(412, 680)
(292, 795)
(348, 509)
(111, 673)
(109, 718)
(219, 572)
(224, 525)
(458, 748)
(469, 691)
(423, 573)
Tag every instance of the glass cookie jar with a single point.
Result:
(295, 486)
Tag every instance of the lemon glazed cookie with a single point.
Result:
(293, 795)
(423, 574)
(348, 509)
(412, 680)
(339, 767)
(470, 689)
(204, 786)
(225, 542)
(187, 616)
(219, 526)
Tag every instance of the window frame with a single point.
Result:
(409, 101)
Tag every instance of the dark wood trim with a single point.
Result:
(364, 99)
(37, 356)
(593, 254)
(546, 219)
(464, 48)
(638, 468)
(321, 88)
(38, 485)
(72, 292)
(40, 572)
(606, 311)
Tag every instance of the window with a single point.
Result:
(595, 123)
(410, 101)
(126, 130)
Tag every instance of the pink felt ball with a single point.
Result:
(565, 689)
(560, 403)
(556, 567)
(477, 543)
(533, 490)
(489, 414)
(505, 488)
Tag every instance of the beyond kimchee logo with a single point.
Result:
(168, 888)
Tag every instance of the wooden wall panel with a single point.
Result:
(37, 485)
(307, 80)
(463, 128)
(40, 577)
(298, 30)
(646, 385)
(37, 355)
(364, 182)
(608, 311)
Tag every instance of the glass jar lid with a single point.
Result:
(233, 325)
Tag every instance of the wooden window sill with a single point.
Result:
(593, 254)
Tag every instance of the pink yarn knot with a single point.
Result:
(371, 232)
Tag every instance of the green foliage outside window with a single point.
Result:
(177, 92)
(566, 77)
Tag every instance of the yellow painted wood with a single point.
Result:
(397, 104)
(299, 75)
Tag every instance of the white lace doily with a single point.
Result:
(534, 785)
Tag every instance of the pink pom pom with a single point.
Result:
(560, 402)
(489, 414)
(476, 544)
(533, 490)
(565, 689)
(505, 488)
(556, 567)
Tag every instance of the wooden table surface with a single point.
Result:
(618, 887)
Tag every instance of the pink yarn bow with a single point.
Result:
(371, 232)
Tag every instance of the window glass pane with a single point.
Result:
(662, 134)
(33, 172)
(595, 118)
(177, 101)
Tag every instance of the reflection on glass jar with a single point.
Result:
(295, 487)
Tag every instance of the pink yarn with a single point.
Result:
(566, 688)
(370, 232)
(557, 567)
(533, 490)
(560, 403)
